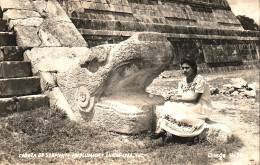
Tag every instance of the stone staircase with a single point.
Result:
(19, 89)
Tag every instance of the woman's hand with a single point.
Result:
(175, 98)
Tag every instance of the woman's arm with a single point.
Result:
(194, 99)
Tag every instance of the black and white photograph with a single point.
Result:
(129, 82)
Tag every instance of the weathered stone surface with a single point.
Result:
(51, 10)
(7, 106)
(238, 82)
(34, 21)
(27, 36)
(250, 94)
(216, 133)
(23, 103)
(58, 101)
(54, 59)
(48, 81)
(16, 4)
(45, 25)
(32, 102)
(113, 70)
(19, 86)
(15, 69)
(20, 14)
(253, 86)
(126, 114)
(60, 31)
(47, 38)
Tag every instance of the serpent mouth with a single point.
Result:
(127, 84)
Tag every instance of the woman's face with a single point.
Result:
(187, 70)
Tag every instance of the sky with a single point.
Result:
(249, 8)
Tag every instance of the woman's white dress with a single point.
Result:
(187, 119)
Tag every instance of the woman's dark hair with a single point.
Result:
(191, 63)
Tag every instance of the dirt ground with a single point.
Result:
(240, 114)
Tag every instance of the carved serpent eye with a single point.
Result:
(84, 101)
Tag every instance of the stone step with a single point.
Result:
(109, 25)
(22, 103)
(11, 53)
(103, 15)
(3, 25)
(157, 27)
(7, 39)
(19, 86)
(14, 69)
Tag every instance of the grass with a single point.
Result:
(50, 131)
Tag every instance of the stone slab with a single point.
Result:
(15, 69)
(51, 9)
(19, 86)
(23, 103)
(11, 53)
(13, 14)
(17, 4)
(33, 21)
(217, 133)
(27, 36)
(53, 59)
(32, 102)
(69, 36)
(7, 106)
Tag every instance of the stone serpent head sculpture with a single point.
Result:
(116, 72)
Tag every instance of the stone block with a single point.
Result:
(17, 4)
(15, 69)
(53, 59)
(7, 106)
(19, 14)
(238, 82)
(51, 10)
(48, 81)
(32, 102)
(27, 36)
(125, 68)
(48, 39)
(69, 36)
(19, 86)
(33, 22)
(216, 133)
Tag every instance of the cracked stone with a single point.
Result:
(20, 14)
(25, 22)
(27, 36)
(68, 36)
(16, 4)
(52, 10)
(48, 39)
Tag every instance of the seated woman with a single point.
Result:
(184, 115)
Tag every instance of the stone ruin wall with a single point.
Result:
(206, 30)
